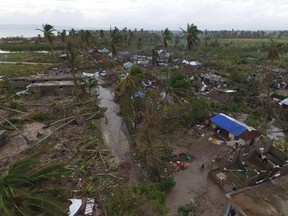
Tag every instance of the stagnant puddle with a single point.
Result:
(115, 132)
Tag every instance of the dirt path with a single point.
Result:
(193, 184)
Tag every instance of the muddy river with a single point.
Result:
(115, 132)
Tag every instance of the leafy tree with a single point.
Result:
(187, 210)
(176, 85)
(23, 191)
(274, 50)
(139, 199)
(115, 40)
(92, 82)
(85, 37)
(102, 35)
(149, 146)
(155, 56)
(177, 42)
(191, 35)
(139, 43)
(131, 80)
(131, 38)
(166, 37)
(63, 36)
(48, 31)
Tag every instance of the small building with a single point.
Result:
(128, 65)
(64, 57)
(232, 129)
(269, 199)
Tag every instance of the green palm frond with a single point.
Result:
(22, 192)
(167, 37)
(132, 79)
(191, 35)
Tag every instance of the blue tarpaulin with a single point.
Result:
(139, 94)
(229, 124)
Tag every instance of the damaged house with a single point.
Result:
(231, 129)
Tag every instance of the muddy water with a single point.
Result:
(115, 132)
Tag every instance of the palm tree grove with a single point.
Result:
(120, 121)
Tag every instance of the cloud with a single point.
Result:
(150, 14)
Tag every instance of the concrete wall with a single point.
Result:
(284, 170)
(22, 82)
(215, 179)
(54, 90)
(278, 153)
(18, 83)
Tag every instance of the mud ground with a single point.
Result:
(193, 184)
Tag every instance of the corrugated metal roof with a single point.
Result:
(229, 124)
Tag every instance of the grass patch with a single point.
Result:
(275, 160)
(39, 116)
(19, 69)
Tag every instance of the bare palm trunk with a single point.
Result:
(269, 82)
(75, 90)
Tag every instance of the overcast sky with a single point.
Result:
(149, 14)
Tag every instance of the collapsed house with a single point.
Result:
(212, 79)
(222, 96)
(269, 199)
(229, 128)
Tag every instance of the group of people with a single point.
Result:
(179, 165)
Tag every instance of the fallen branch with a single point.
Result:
(101, 157)
(80, 103)
(279, 120)
(26, 139)
(108, 174)
(64, 119)
(14, 110)
(48, 135)
(91, 117)
(34, 104)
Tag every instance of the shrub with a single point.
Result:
(187, 210)
(139, 199)
(167, 184)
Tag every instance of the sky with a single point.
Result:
(149, 14)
